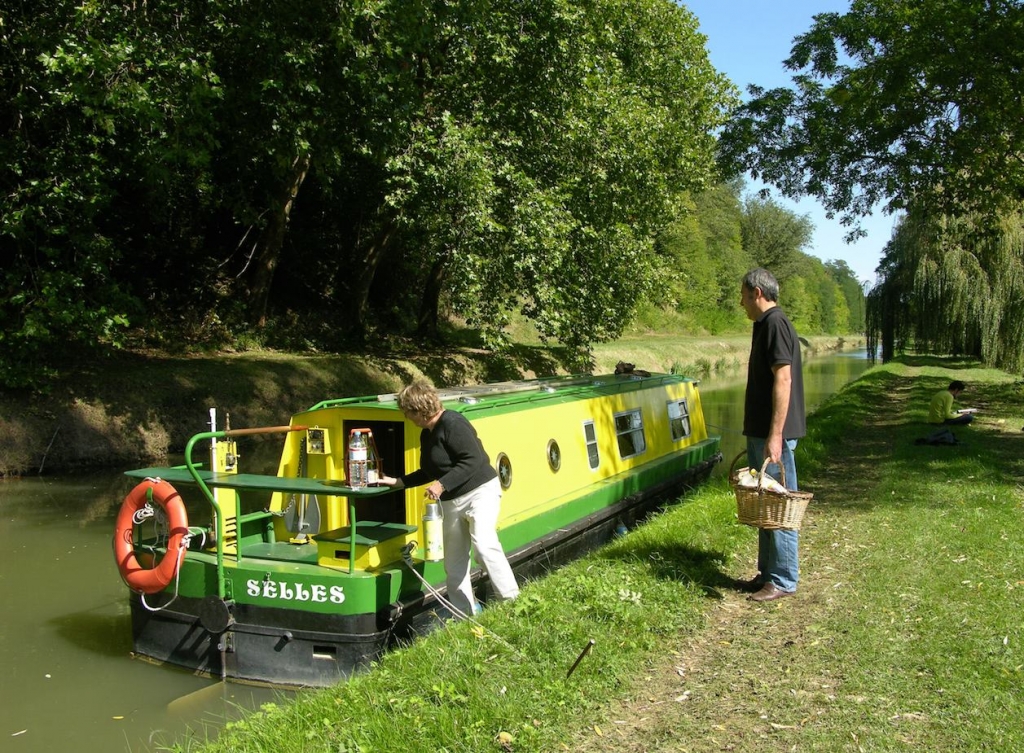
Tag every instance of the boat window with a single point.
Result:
(590, 434)
(504, 470)
(629, 430)
(554, 455)
(679, 419)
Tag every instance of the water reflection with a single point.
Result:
(66, 631)
(722, 397)
(68, 680)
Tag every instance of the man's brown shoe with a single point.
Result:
(770, 592)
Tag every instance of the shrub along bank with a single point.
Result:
(905, 631)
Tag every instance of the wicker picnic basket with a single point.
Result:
(765, 508)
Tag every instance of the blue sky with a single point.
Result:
(747, 41)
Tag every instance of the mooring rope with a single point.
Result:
(407, 559)
(143, 514)
(724, 429)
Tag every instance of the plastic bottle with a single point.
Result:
(433, 544)
(357, 460)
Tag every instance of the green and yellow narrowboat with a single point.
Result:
(307, 575)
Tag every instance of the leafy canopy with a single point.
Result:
(895, 101)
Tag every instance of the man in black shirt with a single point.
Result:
(773, 421)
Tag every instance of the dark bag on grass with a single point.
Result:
(939, 436)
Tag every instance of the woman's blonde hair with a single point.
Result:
(419, 399)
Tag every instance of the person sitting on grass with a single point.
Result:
(940, 410)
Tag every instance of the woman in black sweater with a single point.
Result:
(458, 473)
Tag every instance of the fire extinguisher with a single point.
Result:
(433, 543)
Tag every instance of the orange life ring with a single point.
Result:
(139, 578)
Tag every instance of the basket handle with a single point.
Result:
(764, 467)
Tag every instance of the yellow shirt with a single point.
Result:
(941, 407)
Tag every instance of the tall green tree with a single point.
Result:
(800, 304)
(852, 293)
(98, 104)
(691, 279)
(286, 74)
(579, 154)
(774, 236)
(894, 101)
(495, 165)
(911, 105)
(720, 213)
(193, 166)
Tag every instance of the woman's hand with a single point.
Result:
(385, 481)
(434, 490)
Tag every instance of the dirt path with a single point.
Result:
(714, 692)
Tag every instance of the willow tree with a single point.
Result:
(973, 275)
(956, 285)
(886, 311)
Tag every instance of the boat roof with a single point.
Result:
(522, 392)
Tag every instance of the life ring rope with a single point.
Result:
(186, 541)
(141, 516)
(177, 577)
(137, 507)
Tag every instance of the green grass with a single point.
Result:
(462, 686)
(932, 639)
(905, 634)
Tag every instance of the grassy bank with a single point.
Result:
(133, 409)
(905, 633)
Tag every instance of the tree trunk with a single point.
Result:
(426, 322)
(361, 279)
(269, 250)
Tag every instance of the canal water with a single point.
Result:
(65, 633)
(722, 396)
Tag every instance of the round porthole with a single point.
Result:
(504, 470)
(554, 455)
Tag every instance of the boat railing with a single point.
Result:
(194, 472)
(544, 386)
(207, 479)
(571, 388)
(551, 385)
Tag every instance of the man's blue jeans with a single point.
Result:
(778, 550)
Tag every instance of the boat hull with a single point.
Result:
(288, 647)
(597, 528)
